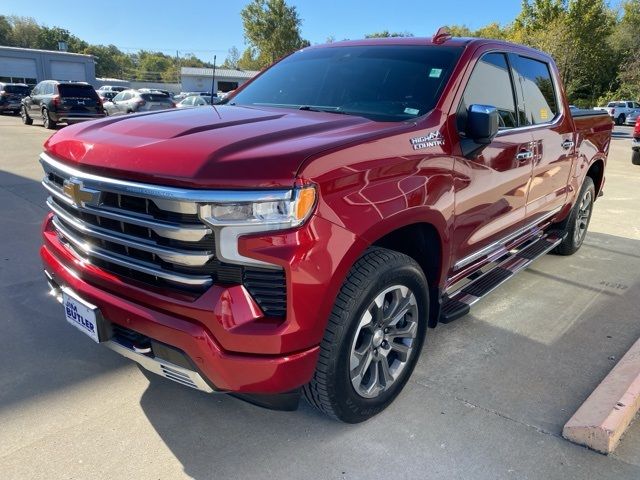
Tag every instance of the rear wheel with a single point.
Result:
(26, 119)
(576, 225)
(46, 120)
(621, 119)
(374, 337)
(635, 157)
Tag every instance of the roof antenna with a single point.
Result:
(442, 35)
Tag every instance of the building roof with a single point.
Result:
(57, 52)
(220, 72)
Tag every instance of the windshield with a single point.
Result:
(380, 82)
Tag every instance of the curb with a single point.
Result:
(605, 415)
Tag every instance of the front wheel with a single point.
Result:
(373, 339)
(576, 225)
(26, 119)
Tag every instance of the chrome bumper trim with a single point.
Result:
(176, 373)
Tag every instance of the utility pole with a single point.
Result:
(213, 79)
(179, 79)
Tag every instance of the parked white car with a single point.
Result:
(619, 110)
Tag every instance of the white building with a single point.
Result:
(30, 66)
(199, 79)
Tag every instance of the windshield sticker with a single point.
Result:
(435, 73)
(411, 111)
(433, 139)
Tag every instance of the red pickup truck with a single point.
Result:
(300, 238)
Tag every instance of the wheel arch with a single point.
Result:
(596, 173)
(423, 242)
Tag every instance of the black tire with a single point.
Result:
(332, 389)
(576, 224)
(26, 119)
(46, 120)
(635, 157)
(621, 118)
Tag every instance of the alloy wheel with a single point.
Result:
(583, 217)
(384, 341)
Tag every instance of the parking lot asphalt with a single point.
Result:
(488, 398)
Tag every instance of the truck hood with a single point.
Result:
(221, 147)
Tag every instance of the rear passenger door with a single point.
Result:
(552, 131)
(491, 189)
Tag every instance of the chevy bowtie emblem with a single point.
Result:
(74, 189)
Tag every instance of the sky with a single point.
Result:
(208, 28)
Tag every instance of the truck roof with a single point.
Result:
(451, 42)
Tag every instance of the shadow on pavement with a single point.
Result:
(39, 351)
(525, 359)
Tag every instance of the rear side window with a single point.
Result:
(77, 91)
(156, 97)
(539, 93)
(490, 84)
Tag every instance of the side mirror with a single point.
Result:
(482, 123)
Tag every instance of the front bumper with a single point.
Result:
(228, 341)
(13, 107)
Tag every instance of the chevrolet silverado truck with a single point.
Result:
(300, 238)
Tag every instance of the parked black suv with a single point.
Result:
(67, 102)
(11, 95)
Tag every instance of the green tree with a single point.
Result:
(251, 60)
(272, 28)
(5, 31)
(233, 57)
(388, 34)
(24, 32)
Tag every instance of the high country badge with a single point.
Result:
(433, 139)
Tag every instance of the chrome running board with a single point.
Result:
(459, 302)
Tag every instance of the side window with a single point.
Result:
(188, 101)
(36, 90)
(49, 89)
(118, 97)
(538, 90)
(490, 84)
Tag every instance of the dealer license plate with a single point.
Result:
(81, 315)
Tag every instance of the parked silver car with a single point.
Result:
(632, 117)
(194, 101)
(132, 101)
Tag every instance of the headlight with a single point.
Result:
(277, 214)
(231, 219)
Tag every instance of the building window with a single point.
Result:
(227, 86)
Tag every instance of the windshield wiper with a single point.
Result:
(314, 108)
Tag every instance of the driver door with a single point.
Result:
(491, 187)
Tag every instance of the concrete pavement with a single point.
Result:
(487, 401)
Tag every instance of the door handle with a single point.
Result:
(524, 155)
(567, 144)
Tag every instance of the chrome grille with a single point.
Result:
(131, 234)
(149, 233)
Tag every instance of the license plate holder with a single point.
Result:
(84, 316)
